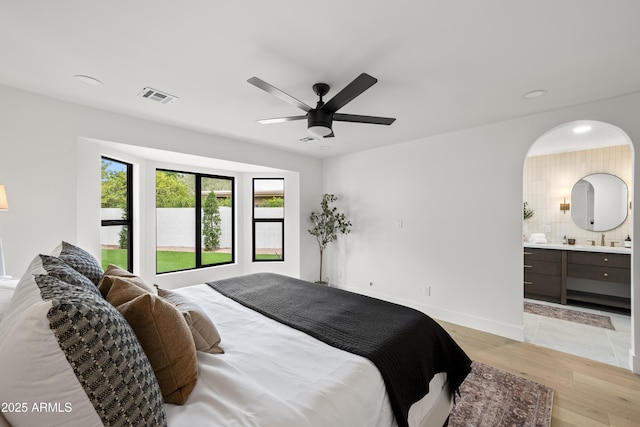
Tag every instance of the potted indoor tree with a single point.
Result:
(326, 226)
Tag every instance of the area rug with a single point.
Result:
(490, 397)
(570, 315)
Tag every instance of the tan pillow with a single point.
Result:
(114, 271)
(204, 332)
(164, 336)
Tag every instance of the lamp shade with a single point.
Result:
(4, 205)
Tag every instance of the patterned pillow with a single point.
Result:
(81, 260)
(72, 350)
(27, 292)
(59, 269)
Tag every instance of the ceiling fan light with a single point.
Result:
(319, 131)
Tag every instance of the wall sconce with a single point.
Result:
(564, 206)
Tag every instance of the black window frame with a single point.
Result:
(198, 219)
(128, 221)
(255, 220)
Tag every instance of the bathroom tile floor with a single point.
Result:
(603, 345)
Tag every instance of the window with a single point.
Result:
(268, 219)
(193, 231)
(116, 214)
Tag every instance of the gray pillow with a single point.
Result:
(82, 261)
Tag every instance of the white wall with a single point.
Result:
(44, 144)
(459, 197)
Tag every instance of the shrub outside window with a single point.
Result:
(116, 213)
(193, 231)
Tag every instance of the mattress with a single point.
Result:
(272, 375)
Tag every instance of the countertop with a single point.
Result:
(584, 248)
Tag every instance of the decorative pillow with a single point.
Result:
(164, 336)
(73, 351)
(3, 421)
(26, 292)
(204, 332)
(80, 260)
(61, 270)
(113, 272)
(7, 288)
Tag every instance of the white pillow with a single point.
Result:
(26, 291)
(3, 421)
(61, 344)
(7, 287)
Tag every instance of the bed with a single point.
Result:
(272, 373)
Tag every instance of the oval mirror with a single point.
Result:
(599, 202)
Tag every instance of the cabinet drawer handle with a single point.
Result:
(528, 253)
(528, 266)
(606, 260)
(606, 274)
(528, 283)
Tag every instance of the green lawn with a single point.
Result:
(166, 260)
(114, 256)
(268, 257)
(172, 261)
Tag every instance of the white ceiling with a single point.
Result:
(442, 65)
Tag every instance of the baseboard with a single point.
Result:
(635, 362)
(486, 325)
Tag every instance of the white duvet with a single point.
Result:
(275, 376)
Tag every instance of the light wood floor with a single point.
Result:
(586, 393)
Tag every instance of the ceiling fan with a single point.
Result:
(320, 118)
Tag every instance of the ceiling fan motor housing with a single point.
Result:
(317, 117)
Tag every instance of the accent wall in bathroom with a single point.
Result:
(548, 180)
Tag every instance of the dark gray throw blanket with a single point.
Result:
(407, 346)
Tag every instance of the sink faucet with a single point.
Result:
(602, 240)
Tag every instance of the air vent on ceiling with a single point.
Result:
(156, 95)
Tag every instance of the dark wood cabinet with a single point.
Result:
(606, 268)
(546, 272)
(543, 274)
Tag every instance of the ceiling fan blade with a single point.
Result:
(261, 84)
(361, 83)
(355, 118)
(281, 119)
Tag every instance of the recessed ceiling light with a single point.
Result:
(88, 80)
(535, 94)
(582, 129)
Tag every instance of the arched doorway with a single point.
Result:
(558, 160)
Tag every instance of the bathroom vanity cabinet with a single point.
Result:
(544, 274)
(561, 274)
